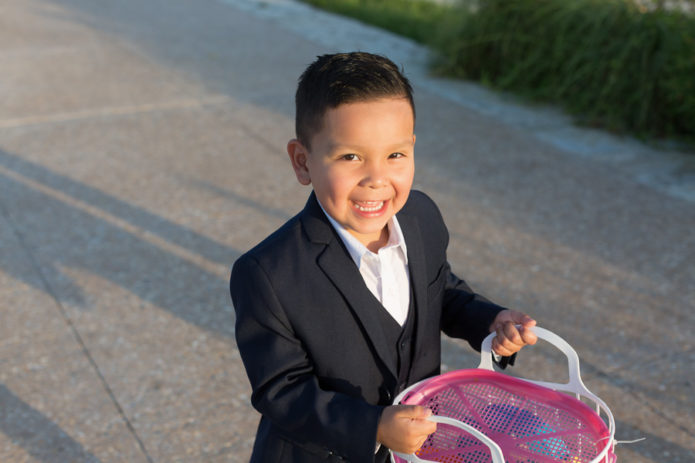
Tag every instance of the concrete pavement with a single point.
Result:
(142, 150)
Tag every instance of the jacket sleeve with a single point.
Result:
(285, 389)
(465, 314)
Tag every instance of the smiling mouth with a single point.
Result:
(368, 206)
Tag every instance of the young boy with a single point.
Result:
(341, 308)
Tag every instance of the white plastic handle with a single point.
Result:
(495, 450)
(574, 384)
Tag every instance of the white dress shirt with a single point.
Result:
(385, 272)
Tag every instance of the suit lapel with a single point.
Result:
(340, 269)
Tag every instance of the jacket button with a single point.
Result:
(386, 395)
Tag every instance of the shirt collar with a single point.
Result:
(356, 249)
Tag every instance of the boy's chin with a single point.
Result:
(373, 233)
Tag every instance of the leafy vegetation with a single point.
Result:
(624, 65)
(415, 19)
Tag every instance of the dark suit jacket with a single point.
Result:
(311, 342)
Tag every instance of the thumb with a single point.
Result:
(526, 323)
(416, 412)
(522, 319)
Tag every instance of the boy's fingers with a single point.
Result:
(510, 340)
(418, 423)
(520, 318)
(523, 319)
(499, 349)
(424, 412)
(509, 336)
(415, 412)
(424, 427)
(419, 415)
(527, 335)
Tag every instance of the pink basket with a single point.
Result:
(485, 416)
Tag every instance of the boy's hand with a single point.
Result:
(509, 339)
(404, 428)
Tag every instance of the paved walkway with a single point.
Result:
(142, 149)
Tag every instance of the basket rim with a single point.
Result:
(574, 386)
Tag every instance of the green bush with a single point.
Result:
(415, 19)
(609, 62)
(612, 63)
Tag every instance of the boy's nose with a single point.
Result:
(375, 177)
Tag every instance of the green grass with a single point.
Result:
(607, 62)
(610, 63)
(415, 19)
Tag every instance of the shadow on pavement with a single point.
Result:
(40, 437)
(76, 227)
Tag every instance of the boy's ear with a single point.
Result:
(299, 156)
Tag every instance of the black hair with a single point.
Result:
(341, 78)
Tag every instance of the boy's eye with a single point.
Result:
(396, 155)
(349, 157)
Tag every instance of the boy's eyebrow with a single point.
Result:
(349, 147)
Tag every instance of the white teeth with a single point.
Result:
(373, 206)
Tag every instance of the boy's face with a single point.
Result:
(361, 164)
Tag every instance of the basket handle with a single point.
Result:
(574, 384)
(495, 450)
